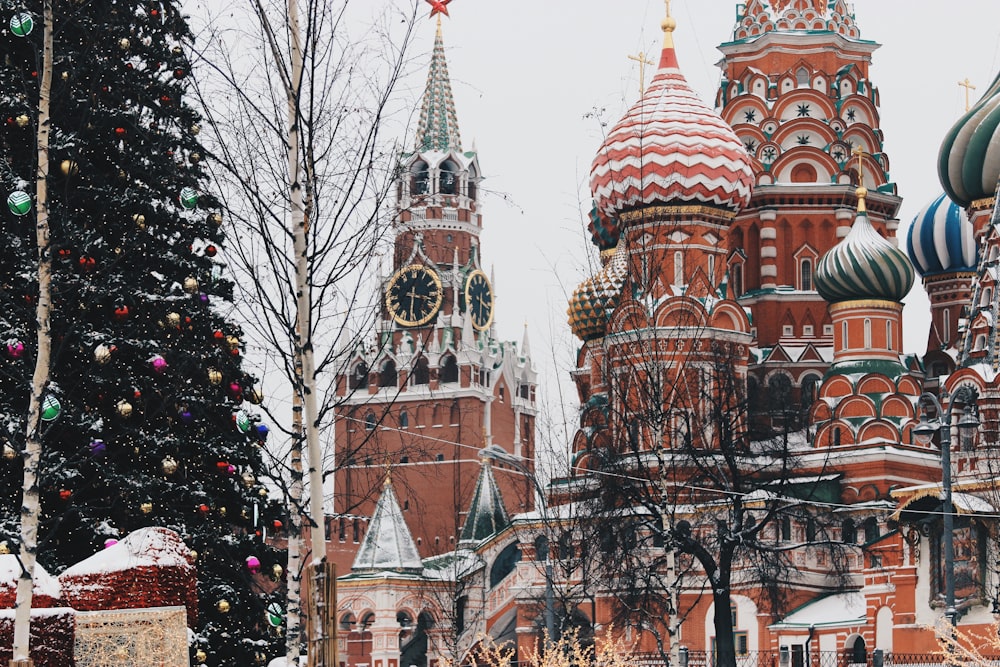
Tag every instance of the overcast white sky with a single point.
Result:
(527, 76)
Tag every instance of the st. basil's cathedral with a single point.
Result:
(750, 267)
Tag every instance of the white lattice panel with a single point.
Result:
(148, 637)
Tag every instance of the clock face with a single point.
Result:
(479, 300)
(414, 295)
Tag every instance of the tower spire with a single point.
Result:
(438, 126)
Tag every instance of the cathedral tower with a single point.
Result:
(436, 385)
(796, 89)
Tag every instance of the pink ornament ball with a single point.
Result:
(15, 349)
(159, 364)
(253, 564)
(110, 542)
(231, 470)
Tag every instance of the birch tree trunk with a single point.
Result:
(40, 378)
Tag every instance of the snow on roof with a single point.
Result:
(146, 547)
(837, 609)
(45, 583)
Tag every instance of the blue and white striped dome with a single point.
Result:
(941, 239)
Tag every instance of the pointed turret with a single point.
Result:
(487, 515)
(388, 544)
(438, 127)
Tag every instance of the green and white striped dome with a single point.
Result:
(864, 265)
(969, 161)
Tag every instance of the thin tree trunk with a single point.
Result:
(304, 325)
(293, 623)
(40, 378)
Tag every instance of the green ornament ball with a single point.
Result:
(19, 202)
(275, 614)
(22, 24)
(189, 198)
(50, 408)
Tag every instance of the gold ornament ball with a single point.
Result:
(190, 284)
(277, 571)
(195, 158)
(222, 606)
(193, 556)
(23, 120)
(214, 376)
(140, 220)
(102, 354)
(146, 508)
(215, 218)
(262, 493)
(65, 76)
(123, 43)
(4, 548)
(69, 168)
(174, 319)
(233, 342)
(124, 408)
(255, 396)
(177, 51)
(248, 479)
(222, 511)
(200, 656)
(259, 658)
(9, 453)
(195, 129)
(169, 465)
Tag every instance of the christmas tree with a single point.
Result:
(145, 419)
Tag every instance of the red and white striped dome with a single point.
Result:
(670, 148)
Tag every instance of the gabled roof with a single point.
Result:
(487, 515)
(388, 544)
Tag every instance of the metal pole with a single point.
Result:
(949, 520)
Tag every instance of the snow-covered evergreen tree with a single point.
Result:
(146, 420)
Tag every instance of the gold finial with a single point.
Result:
(669, 24)
(388, 472)
(862, 191)
(643, 60)
(968, 87)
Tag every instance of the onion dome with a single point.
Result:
(969, 161)
(670, 148)
(604, 231)
(864, 265)
(942, 240)
(596, 298)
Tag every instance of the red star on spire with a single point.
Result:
(439, 7)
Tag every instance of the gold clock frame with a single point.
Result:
(468, 298)
(435, 308)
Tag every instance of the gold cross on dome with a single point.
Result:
(968, 87)
(860, 153)
(643, 60)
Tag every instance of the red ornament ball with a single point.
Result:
(121, 312)
(65, 494)
(211, 250)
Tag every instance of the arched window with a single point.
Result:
(404, 419)
(359, 376)
(421, 371)
(945, 326)
(472, 185)
(848, 532)
(419, 178)
(678, 268)
(802, 77)
(868, 333)
(456, 414)
(504, 564)
(779, 392)
(809, 385)
(737, 279)
(836, 436)
(888, 334)
(387, 376)
(980, 342)
(806, 275)
(987, 297)
(859, 653)
(803, 172)
(449, 178)
(541, 548)
(843, 334)
(870, 527)
(449, 369)
(565, 546)
(711, 268)
(370, 421)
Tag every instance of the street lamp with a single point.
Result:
(498, 453)
(927, 428)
